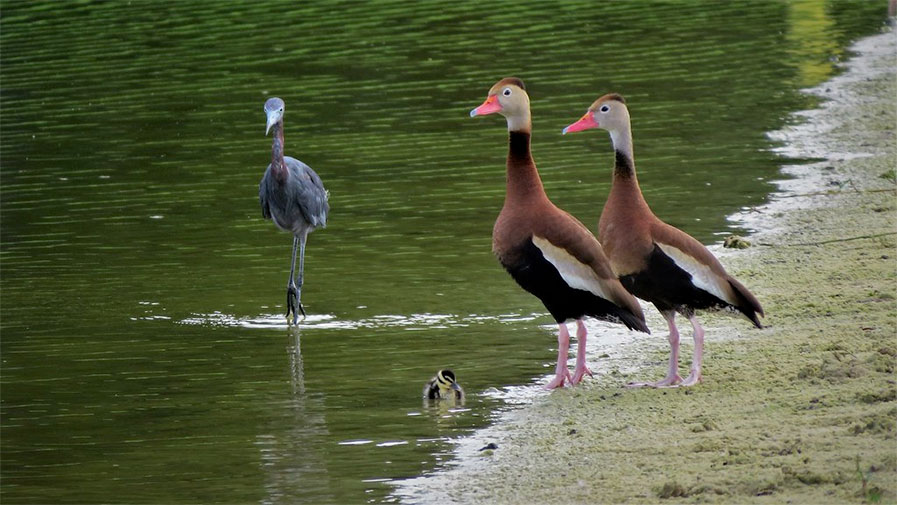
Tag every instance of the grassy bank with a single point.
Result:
(803, 411)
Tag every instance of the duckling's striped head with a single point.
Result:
(445, 379)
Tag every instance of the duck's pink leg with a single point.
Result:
(672, 377)
(581, 368)
(694, 375)
(561, 373)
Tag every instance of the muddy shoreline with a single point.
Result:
(801, 412)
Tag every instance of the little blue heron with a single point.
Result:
(293, 196)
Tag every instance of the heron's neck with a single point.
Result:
(277, 164)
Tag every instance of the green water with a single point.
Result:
(144, 355)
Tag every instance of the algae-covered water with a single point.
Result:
(144, 356)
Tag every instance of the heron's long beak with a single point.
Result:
(585, 122)
(272, 120)
(490, 106)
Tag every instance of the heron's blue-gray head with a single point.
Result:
(274, 111)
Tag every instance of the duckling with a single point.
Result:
(443, 386)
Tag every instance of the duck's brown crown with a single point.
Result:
(511, 80)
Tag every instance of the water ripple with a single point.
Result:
(331, 322)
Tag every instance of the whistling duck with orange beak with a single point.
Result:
(655, 261)
(546, 250)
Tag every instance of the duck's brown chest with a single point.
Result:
(626, 239)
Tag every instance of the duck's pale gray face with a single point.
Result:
(608, 112)
(274, 112)
(506, 97)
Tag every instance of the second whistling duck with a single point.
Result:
(546, 250)
(655, 261)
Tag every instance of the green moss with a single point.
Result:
(874, 424)
(885, 395)
(881, 363)
(671, 490)
(888, 350)
(736, 242)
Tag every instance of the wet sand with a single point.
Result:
(803, 411)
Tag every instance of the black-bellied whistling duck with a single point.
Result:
(655, 261)
(547, 251)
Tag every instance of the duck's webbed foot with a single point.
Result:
(560, 377)
(581, 368)
(581, 371)
(561, 373)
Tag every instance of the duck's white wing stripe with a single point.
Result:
(701, 275)
(575, 273)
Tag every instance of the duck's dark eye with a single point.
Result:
(506, 92)
(604, 108)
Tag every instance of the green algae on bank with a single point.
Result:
(736, 242)
(801, 412)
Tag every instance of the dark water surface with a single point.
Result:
(144, 354)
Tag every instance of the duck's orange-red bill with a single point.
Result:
(490, 106)
(585, 122)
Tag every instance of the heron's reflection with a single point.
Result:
(292, 455)
(297, 370)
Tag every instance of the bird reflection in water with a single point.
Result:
(291, 452)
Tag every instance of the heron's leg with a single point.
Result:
(581, 368)
(561, 372)
(694, 375)
(301, 276)
(292, 290)
(672, 377)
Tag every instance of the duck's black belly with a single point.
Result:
(669, 287)
(528, 266)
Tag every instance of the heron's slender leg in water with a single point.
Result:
(301, 277)
(292, 290)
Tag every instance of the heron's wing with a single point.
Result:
(263, 195)
(308, 192)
